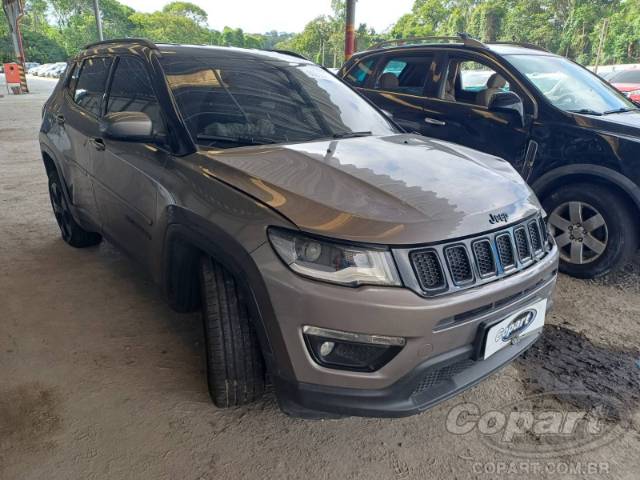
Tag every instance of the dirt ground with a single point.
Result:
(99, 379)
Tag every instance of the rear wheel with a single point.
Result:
(593, 228)
(235, 367)
(72, 233)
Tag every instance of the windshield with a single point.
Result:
(569, 86)
(234, 101)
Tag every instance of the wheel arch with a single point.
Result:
(587, 173)
(187, 238)
(579, 173)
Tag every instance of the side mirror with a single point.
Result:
(128, 127)
(507, 102)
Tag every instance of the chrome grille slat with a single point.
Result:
(460, 264)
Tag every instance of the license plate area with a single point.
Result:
(494, 336)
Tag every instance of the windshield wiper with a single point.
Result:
(619, 110)
(248, 140)
(365, 133)
(586, 111)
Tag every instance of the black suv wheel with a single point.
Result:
(72, 233)
(235, 368)
(593, 228)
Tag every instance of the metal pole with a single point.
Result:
(96, 11)
(603, 36)
(350, 31)
(13, 11)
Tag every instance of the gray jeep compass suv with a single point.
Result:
(361, 270)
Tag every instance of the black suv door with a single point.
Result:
(397, 83)
(461, 109)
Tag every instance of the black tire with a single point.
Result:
(72, 233)
(619, 231)
(235, 367)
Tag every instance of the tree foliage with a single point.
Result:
(569, 27)
(55, 29)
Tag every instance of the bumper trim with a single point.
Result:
(397, 400)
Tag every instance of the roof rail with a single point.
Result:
(287, 52)
(461, 37)
(141, 41)
(521, 44)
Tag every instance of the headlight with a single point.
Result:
(334, 261)
(632, 92)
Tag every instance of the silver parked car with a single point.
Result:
(364, 270)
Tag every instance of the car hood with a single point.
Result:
(624, 123)
(399, 189)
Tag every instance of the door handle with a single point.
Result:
(98, 143)
(60, 119)
(433, 121)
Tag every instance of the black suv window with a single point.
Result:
(131, 91)
(472, 82)
(404, 74)
(359, 73)
(91, 83)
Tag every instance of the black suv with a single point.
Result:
(574, 138)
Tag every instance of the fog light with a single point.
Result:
(326, 348)
(350, 351)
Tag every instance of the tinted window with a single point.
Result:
(404, 74)
(131, 91)
(629, 76)
(241, 100)
(472, 82)
(73, 78)
(91, 83)
(359, 73)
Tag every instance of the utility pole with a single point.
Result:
(96, 11)
(350, 30)
(14, 11)
(603, 36)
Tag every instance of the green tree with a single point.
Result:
(188, 10)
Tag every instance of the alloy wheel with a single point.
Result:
(580, 231)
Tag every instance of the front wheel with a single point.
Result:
(235, 367)
(593, 228)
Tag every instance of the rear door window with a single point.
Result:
(91, 84)
(131, 91)
(404, 74)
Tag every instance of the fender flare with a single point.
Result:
(542, 185)
(185, 226)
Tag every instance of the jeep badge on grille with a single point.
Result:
(498, 217)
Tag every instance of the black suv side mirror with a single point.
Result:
(128, 127)
(507, 102)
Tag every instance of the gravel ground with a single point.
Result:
(99, 379)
